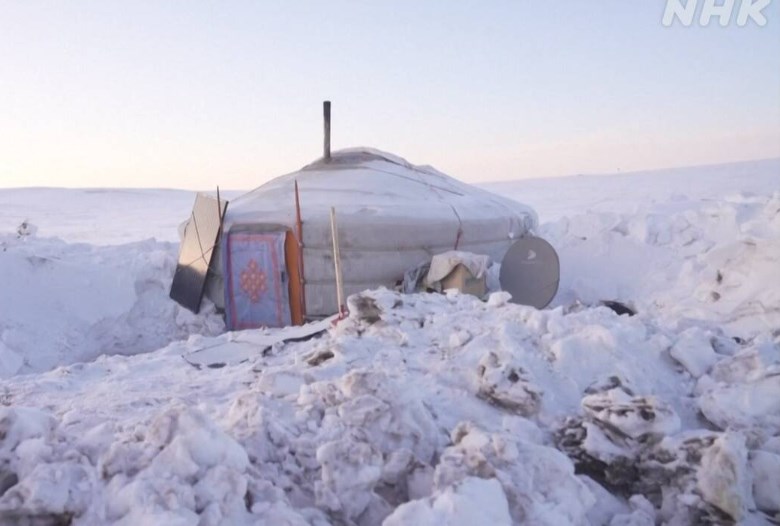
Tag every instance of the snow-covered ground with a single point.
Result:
(417, 409)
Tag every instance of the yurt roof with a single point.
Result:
(365, 182)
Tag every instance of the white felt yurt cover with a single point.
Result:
(392, 215)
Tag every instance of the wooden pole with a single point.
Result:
(334, 232)
(326, 115)
(299, 235)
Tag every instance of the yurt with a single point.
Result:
(275, 263)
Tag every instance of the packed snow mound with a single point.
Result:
(684, 262)
(408, 411)
(64, 303)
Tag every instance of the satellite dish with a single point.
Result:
(530, 272)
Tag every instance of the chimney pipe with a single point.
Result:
(326, 115)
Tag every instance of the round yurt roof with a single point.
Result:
(363, 184)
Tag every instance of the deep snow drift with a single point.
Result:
(417, 409)
(64, 303)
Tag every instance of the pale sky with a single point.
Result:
(192, 94)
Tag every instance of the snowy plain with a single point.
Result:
(417, 409)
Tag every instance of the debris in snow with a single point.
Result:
(538, 481)
(707, 473)
(26, 229)
(615, 429)
(619, 414)
(508, 385)
(618, 307)
(365, 309)
(320, 357)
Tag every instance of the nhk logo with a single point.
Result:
(724, 11)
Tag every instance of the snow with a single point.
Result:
(765, 467)
(64, 303)
(694, 350)
(416, 409)
(723, 478)
(474, 501)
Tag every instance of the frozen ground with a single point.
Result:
(421, 409)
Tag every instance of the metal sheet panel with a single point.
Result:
(197, 250)
(530, 272)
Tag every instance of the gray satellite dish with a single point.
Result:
(530, 272)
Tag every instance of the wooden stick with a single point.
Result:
(337, 263)
(326, 115)
(299, 235)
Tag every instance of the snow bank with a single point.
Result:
(388, 418)
(64, 303)
(683, 263)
